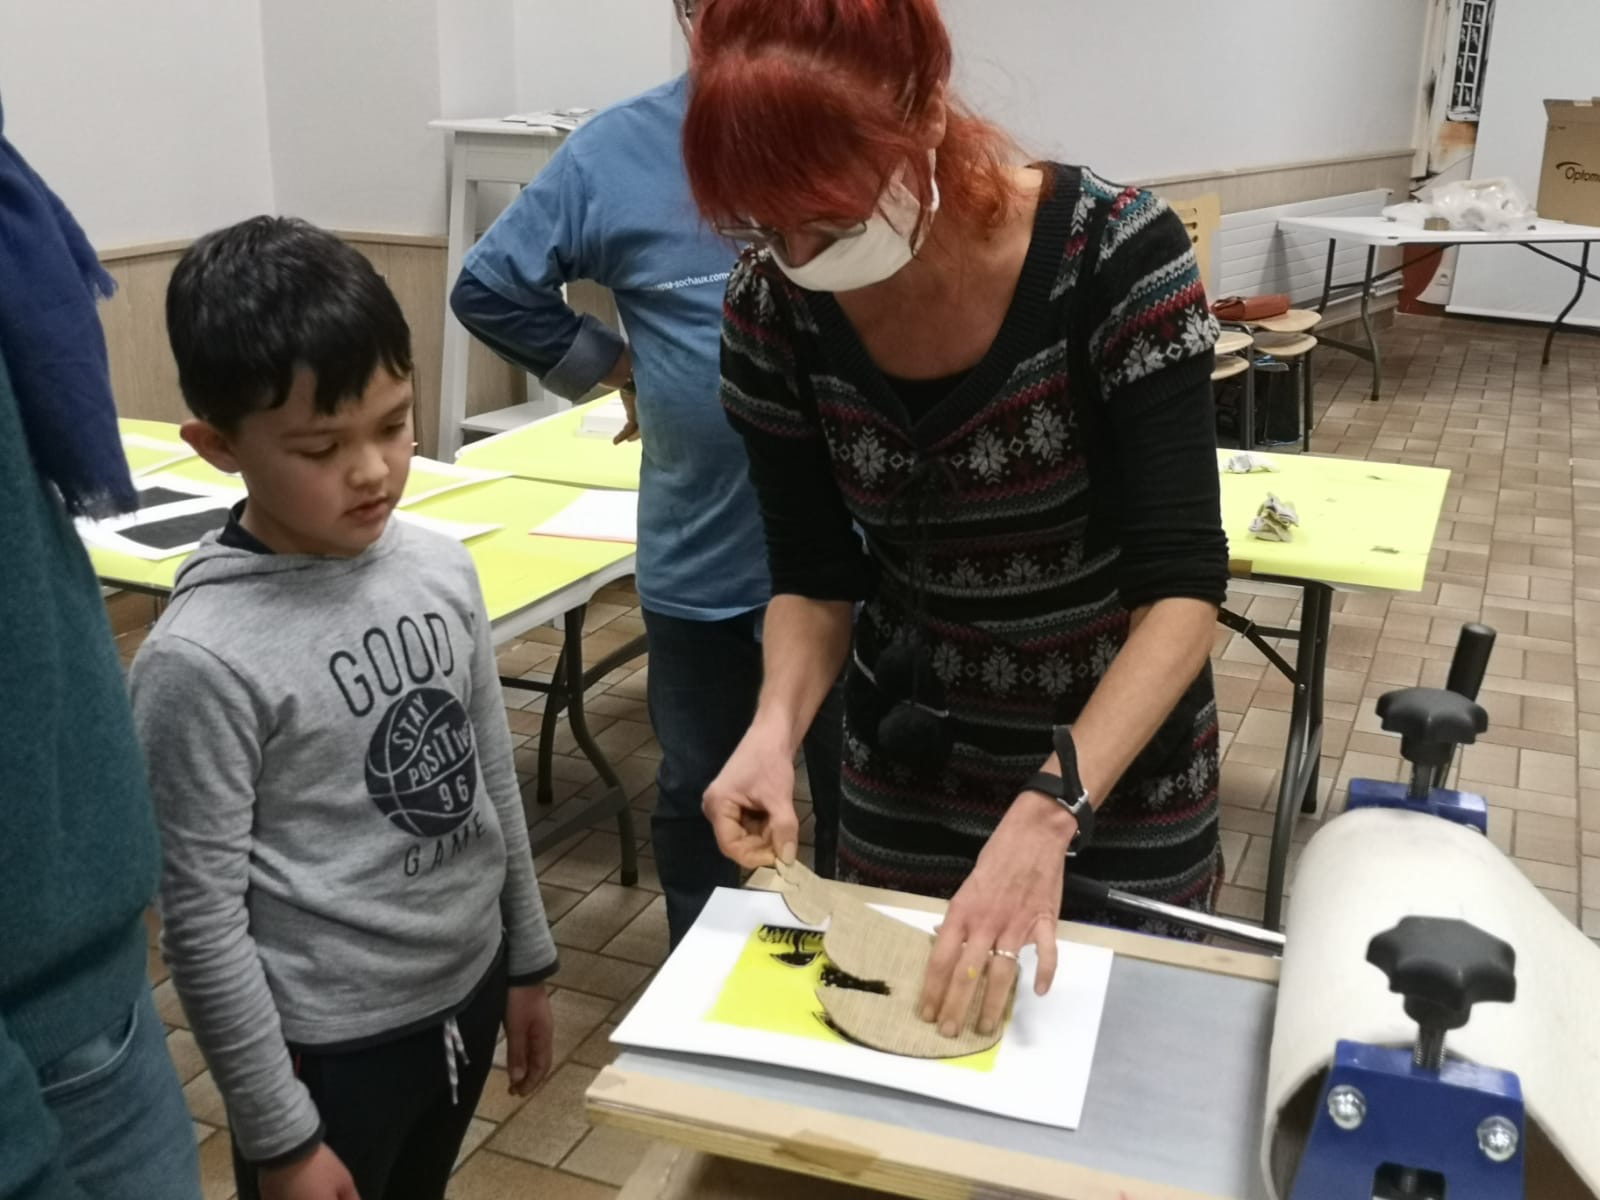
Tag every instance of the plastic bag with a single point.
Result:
(1492, 205)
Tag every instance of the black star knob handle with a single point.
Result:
(1443, 967)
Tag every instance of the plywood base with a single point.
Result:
(880, 1149)
(865, 1155)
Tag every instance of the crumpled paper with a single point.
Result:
(1248, 461)
(1275, 521)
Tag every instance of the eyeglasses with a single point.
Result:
(772, 239)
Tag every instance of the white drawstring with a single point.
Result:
(454, 1047)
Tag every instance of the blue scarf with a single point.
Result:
(54, 347)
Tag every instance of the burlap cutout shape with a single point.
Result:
(870, 946)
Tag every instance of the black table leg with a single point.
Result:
(547, 731)
(1302, 756)
(1366, 323)
(616, 799)
(1305, 402)
(1583, 277)
(1327, 276)
(1317, 685)
(565, 691)
(1247, 416)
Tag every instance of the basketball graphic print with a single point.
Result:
(422, 765)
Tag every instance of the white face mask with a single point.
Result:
(881, 251)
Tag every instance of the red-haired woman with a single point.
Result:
(976, 397)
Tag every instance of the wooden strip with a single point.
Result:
(1276, 168)
(1285, 345)
(871, 1154)
(1236, 963)
(432, 241)
(178, 245)
(1231, 341)
(1227, 367)
(144, 250)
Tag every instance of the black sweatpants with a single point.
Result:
(386, 1109)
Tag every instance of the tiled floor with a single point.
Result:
(1524, 446)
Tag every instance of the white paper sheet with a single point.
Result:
(604, 420)
(1041, 1073)
(438, 478)
(596, 517)
(111, 535)
(232, 490)
(459, 530)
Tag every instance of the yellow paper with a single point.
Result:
(554, 451)
(1362, 524)
(515, 568)
(773, 987)
(149, 458)
(166, 431)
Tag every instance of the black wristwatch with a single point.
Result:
(1066, 789)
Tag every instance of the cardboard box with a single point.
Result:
(1569, 182)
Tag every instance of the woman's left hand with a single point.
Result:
(1012, 897)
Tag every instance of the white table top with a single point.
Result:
(496, 125)
(1378, 231)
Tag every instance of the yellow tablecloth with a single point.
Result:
(1362, 524)
(554, 451)
(515, 568)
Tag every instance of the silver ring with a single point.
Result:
(1011, 954)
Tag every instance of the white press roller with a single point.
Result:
(1437, 1027)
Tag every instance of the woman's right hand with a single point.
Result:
(751, 803)
(318, 1176)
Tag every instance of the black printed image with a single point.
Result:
(422, 764)
(803, 947)
(155, 495)
(177, 531)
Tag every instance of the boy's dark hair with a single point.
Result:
(250, 304)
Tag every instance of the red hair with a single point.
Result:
(803, 110)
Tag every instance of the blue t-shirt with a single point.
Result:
(614, 206)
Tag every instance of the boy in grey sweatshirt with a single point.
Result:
(348, 899)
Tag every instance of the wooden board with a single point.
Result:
(1231, 341)
(796, 1139)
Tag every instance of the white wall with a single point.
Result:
(351, 87)
(164, 120)
(593, 53)
(150, 120)
(477, 58)
(1540, 49)
(1153, 89)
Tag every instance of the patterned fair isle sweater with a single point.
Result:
(1009, 530)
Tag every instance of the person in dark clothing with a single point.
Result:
(999, 373)
(89, 1103)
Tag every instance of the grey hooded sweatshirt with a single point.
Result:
(345, 848)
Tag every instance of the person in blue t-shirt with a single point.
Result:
(614, 207)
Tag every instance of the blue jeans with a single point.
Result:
(126, 1132)
(705, 678)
